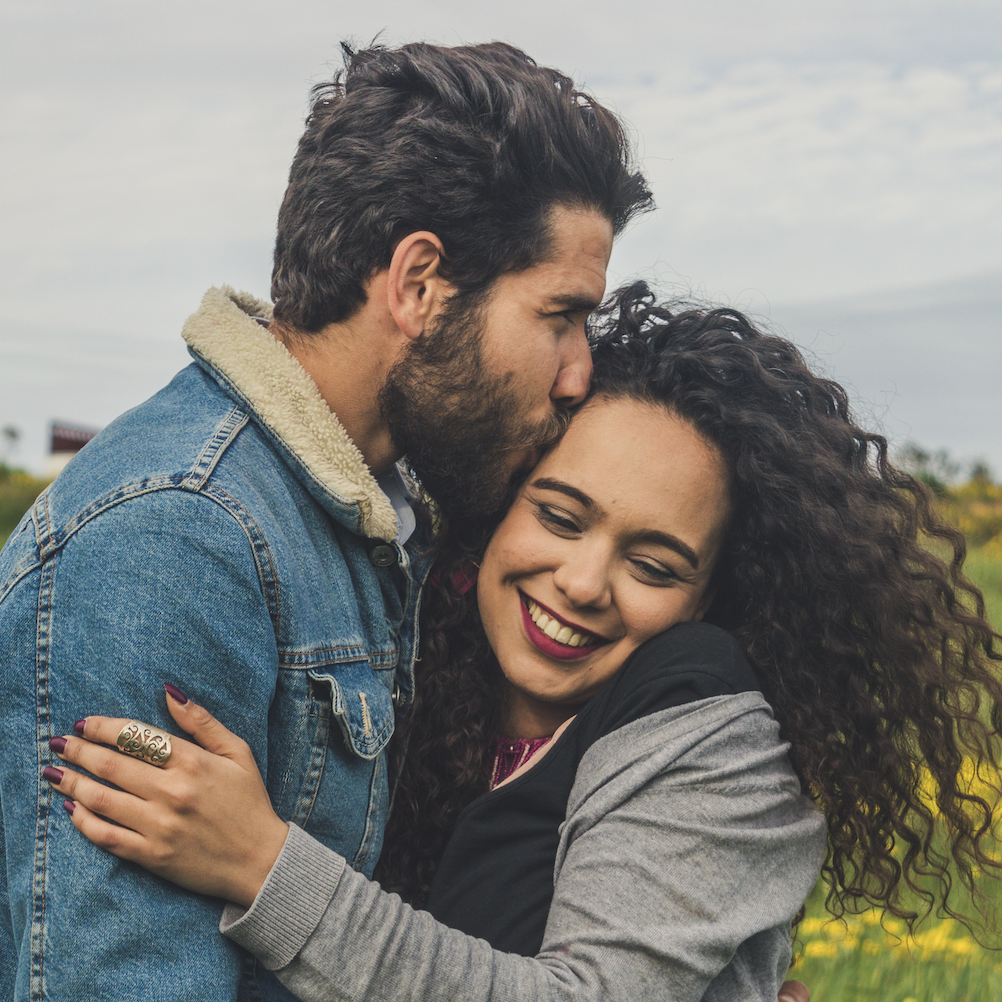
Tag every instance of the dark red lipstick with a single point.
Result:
(550, 647)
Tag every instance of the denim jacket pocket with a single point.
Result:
(362, 706)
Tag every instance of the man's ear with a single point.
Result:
(415, 288)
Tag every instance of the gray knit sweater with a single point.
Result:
(686, 852)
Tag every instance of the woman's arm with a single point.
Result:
(645, 905)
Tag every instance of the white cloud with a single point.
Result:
(812, 179)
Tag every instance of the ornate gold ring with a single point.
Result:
(143, 741)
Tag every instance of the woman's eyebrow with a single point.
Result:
(547, 484)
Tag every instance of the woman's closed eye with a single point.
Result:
(556, 519)
(656, 572)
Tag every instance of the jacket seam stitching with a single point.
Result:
(50, 544)
(17, 576)
(43, 641)
(268, 581)
(223, 437)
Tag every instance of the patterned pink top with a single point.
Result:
(510, 753)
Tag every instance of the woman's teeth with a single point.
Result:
(556, 630)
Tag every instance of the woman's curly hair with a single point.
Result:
(873, 650)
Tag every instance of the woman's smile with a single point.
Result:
(556, 636)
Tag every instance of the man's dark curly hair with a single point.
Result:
(475, 143)
(873, 651)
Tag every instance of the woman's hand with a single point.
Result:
(204, 821)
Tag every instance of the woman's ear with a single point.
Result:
(415, 288)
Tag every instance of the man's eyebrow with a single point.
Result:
(672, 543)
(547, 484)
(574, 303)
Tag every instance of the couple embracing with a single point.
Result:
(681, 644)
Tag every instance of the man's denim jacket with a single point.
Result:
(225, 536)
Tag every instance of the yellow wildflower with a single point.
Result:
(821, 948)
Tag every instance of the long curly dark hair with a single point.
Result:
(872, 648)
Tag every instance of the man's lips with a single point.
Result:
(587, 642)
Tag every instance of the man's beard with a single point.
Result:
(458, 424)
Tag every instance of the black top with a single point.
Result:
(495, 880)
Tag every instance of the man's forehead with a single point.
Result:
(579, 255)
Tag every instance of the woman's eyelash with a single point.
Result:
(550, 517)
(547, 514)
(655, 571)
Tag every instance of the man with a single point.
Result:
(246, 533)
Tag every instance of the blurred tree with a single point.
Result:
(981, 471)
(937, 469)
(11, 435)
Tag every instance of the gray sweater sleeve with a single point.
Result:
(686, 852)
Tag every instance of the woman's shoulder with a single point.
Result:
(694, 649)
(721, 750)
(688, 663)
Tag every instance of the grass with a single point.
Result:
(18, 491)
(984, 568)
(866, 961)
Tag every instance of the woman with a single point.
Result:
(710, 476)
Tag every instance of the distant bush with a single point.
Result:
(18, 491)
(976, 509)
(974, 505)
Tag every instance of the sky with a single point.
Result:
(834, 168)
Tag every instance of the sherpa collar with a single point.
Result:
(287, 400)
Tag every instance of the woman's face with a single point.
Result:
(611, 541)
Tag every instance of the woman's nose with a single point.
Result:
(584, 581)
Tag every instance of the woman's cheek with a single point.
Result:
(674, 607)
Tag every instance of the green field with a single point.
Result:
(863, 961)
(984, 567)
(18, 491)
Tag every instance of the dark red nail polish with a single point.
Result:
(78, 727)
(52, 774)
(69, 806)
(175, 693)
(58, 745)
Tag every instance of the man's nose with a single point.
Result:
(574, 376)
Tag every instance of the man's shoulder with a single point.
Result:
(162, 436)
(175, 441)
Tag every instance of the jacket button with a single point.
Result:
(382, 555)
(397, 697)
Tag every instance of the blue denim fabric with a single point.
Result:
(187, 543)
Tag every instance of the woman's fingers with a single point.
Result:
(204, 727)
(129, 773)
(183, 818)
(114, 804)
(105, 730)
(118, 841)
